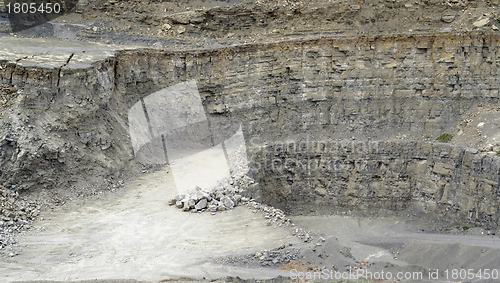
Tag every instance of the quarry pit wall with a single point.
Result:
(69, 121)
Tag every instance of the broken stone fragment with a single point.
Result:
(197, 196)
(481, 23)
(227, 202)
(221, 207)
(219, 195)
(166, 26)
(201, 204)
(237, 198)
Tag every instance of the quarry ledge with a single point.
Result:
(49, 54)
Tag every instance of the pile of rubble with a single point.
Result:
(15, 213)
(202, 200)
(228, 197)
(227, 194)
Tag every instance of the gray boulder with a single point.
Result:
(201, 204)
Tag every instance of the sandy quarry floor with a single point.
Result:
(138, 236)
(134, 234)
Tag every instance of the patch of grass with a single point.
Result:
(465, 228)
(444, 138)
(498, 153)
(427, 137)
(447, 229)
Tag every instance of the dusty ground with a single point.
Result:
(134, 234)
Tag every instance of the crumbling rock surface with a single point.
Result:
(16, 213)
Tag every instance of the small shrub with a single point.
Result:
(444, 138)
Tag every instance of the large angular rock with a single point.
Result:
(237, 199)
(481, 23)
(219, 195)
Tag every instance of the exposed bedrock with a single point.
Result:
(70, 121)
(453, 182)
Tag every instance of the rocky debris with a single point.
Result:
(202, 204)
(7, 92)
(456, 3)
(274, 215)
(229, 193)
(244, 21)
(189, 17)
(15, 213)
(164, 29)
(481, 23)
(272, 258)
(181, 29)
(278, 218)
(227, 201)
(448, 18)
(220, 199)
